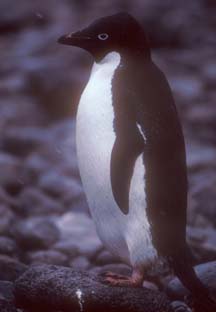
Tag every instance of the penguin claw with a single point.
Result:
(114, 276)
(117, 280)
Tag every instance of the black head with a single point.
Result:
(119, 32)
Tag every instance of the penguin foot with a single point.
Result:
(118, 280)
(114, 275)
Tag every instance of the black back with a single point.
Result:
(142, 95)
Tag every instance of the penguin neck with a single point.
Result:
(135, 56)
(129, 55)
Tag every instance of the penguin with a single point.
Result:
(131, 154)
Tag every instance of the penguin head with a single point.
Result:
(120, 33)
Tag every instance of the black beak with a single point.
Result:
(74, 39)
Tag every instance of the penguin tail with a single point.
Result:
(203, 302)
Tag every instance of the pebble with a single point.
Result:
(7, 306)
(206, 272)
(35, 233)
(5, 198)
(7, 218)
(10, 269)
(8, 246)
(57, 185)
(203, 243)
(180, 306)
(80, 263)
(47, 257)
(22, 141)
(150, 285)
(80, 230)
(200, 158)
(35, 166)
(188, 87)
(205, 198)
(209, 71)
(11, 172)
(7, 290)
(34, 202)
(67, 247)
(105, 257)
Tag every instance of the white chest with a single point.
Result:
(95, 111)
(94, 132)
(126, 235)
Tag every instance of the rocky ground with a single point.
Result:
(44, 218)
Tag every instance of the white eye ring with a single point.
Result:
(103, 36)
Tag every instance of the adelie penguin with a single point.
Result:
(131, 154)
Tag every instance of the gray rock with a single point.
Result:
(78, 205)
(205, 201)
(21, 141)
(180, 306)
(209, 71)
(8, 246)
(64, 145)
(35, 233)
(13, 84)
(35, 165)
(57, 185)
(10, 269)
(207, 274)
(201, 120)
(80, 230)
(33, 202)
(50, 153)
(11, 114)
(80, 263)
(11, 173)
(47, 257)
(7, 290)
(7, 306)
(188, 87)
(6, 199)
(60, 148)
(51, 91)
(199, 157)
(203, 243)
(48, 288)
(67, 247)
(15, 20)
(6, 219)
(150, 285)
(105, 257)
(195, 234)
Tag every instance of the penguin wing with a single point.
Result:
(129, 143)
(124, 154)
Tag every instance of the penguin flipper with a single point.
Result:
(123, 158)
(129, 143)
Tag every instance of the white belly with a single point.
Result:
(128, 236)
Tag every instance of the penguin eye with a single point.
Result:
(103, 36)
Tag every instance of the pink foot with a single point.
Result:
(114, 279)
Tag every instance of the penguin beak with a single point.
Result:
(74, 39)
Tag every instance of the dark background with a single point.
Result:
(41, 196)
